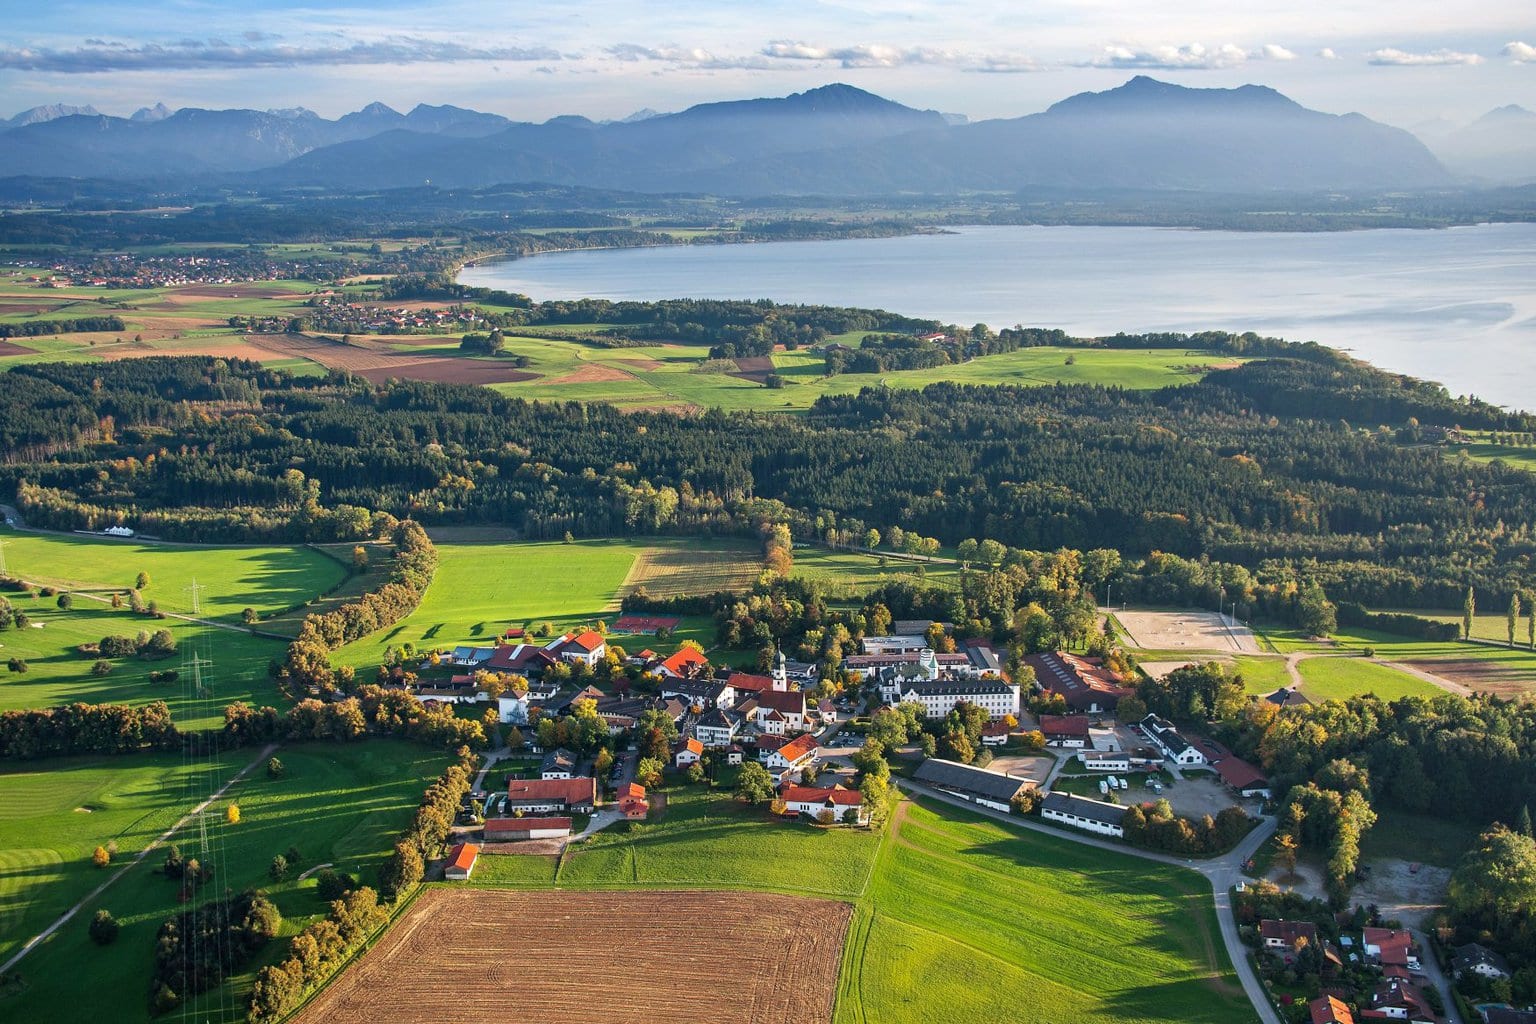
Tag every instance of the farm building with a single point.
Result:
(1066, 731)
(562, 795)
(1084, 683)
(1080, 812)
(812, 801)
(1238, 775)
(979, 786)
(510, 830)
(461, 862)
(1167, 739)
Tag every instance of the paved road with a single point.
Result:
(138, 858)
(1437, 977)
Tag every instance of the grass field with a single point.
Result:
(342, 804)
(1337, 678)
(59, 674)
(957, 917)
(232, 579)
(851, 574)
(1508, 672)
(1432, 839)
(1262, 675)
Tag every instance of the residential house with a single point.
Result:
(1287, 697)
(826, 711)
(977, 785)
(687, 751)
(1390, 947)
(466, 656)
(1084, 683)
(792, 758)
(1069, 731)
(717, 728)
(995, 734)
(510, 830)
(558, 764)
(632, 802)
(733, 754)
(1286, 937)
(461, 862)
(1167, 739)
(1329, 1010)
(687, 663)
(1396, 999)
(587, 647)
(588, 692)
(558, 795)
(766, 744)
(1473, 958)
(1080, 812)
(814, 801)
(699, 692)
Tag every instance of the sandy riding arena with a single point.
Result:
(1194, 631)
(596, 958)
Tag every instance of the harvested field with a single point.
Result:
(1480, 675)
(753, 367)
(608, 971)
(204, 293)
(642, 364)
(680, 569)
(10, 348)
(593, 373)
(379, 366)
(1187, 630)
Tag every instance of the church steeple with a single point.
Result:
(780, 670)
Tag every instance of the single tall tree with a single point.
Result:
(1468, 611)
(1513, 618)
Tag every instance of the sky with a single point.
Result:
(1407, 62)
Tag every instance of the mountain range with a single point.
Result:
(834, 140)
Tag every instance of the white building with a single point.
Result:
(1080, 812)
(997, 697)
(893, 644)
(1167, 739)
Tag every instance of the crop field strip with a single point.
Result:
(742, 958)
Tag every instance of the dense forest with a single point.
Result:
(1291, 468)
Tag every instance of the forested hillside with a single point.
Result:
(1286, 466)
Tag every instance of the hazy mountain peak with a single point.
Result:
(158, 112)
(1144, 94)
(51, 112)
(293, 113)
(643, 114)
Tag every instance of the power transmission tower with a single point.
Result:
(196, 590)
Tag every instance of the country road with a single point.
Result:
(138, 858)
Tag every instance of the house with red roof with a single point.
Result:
(1329, 1010)
(1398, 1000)
(995, 734)
(632, 802)
(687, 663)
(1084, 683)
(1068, 731)
(1390, 947)
(512, 830)
(587, 647)
(687, 751)
(792, 758)
(748, 683)
(1238, 775)
(1286, 936)
(461, 862)
(813, 802)
(561, 796)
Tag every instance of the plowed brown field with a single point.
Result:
(379, 366)
(596, 958)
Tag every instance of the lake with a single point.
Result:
(1457, 306)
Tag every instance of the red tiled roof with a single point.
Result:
(588, 641)
(788, 701)
(685, 657)
(1328, 1010)
(798, 747)
(1239, 774)
(462, 856)
(581, 790)
(1389, 939)
(690, 744)
(497, 825)
(750, 683)
(632, 790)
(768, 741)
(1288, 931)
(1064, 725)
(810, 794)
(996, 729)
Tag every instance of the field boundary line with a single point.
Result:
(138, 858)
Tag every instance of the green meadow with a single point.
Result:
(266, 578)
(343, 805)
(957, 917)
(57, 673)
(1338, 678)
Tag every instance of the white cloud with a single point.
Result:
(1520, 53)
(1193, 57)
(1270, 51)
(101, 56)
(879, 56)
(1326, 53)
(1391, 57)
